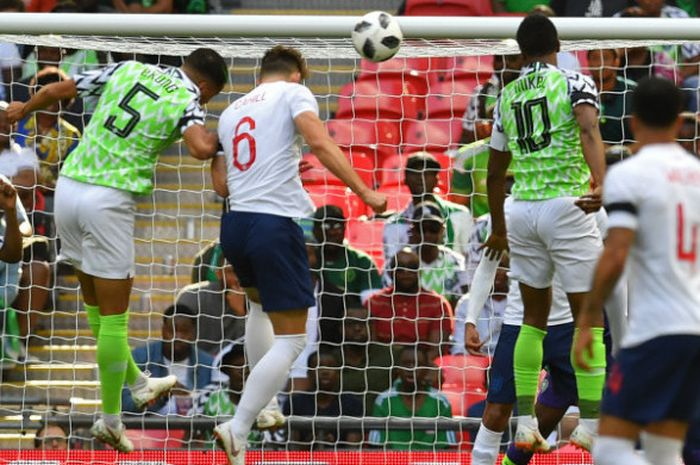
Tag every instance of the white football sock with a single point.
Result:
(608, 450)
(265, 381)
(486, 446)
(259, 334)
(661, 450)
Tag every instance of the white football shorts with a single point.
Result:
(545, 235)
(96, 227)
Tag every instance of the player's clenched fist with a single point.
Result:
(15, 112)
(375, 200)
(8, 196)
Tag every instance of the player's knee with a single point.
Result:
(661, 450)
(613, 451)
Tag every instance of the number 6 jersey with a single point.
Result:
(656, 193)
(141, 110)
(534, 120)
(263, 149)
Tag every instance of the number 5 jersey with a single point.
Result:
(534, 120)
(141, 110)
(263, 148)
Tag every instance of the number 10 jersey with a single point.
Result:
(263, 148)
(141, 110)
(534, 120)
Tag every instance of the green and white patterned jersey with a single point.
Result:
(141, 110)
(534, 120)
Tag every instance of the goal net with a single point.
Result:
(382, 380)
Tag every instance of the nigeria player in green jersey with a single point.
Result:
(141, 110)
(546, 124)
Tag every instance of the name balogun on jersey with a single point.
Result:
(168, 84)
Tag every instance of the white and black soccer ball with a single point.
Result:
(377, 36)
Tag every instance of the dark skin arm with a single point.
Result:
(610, 267)
(594, 154)
(497, 243)
(47, 96)
(11, 251)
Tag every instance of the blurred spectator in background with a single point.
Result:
(516, 6)
(685, 58)
(220, 309)
(590, 8)
(324, 399)
(406, 313)
(22, 167)
(367, 365)
(51, 437)
(470, 162)
(617, 153)
(421, 177)
(216, 400)
(344, 266)
(48, 57)
(491, 316)
(689, 133)
(50, 136)
(176, 354)
(441, 269)
(412, 396)
(506, 68)
(615, 92)
(10, 58)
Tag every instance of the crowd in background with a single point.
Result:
(375, 335)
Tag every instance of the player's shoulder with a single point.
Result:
(578, 82)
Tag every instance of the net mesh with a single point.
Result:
(379, 115)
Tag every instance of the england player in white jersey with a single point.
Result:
(653, 202)
(261, 134)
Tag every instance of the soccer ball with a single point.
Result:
(377, 36)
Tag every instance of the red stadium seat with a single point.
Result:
(402, 70)
(339, 196)
(367, 236)
(465, 68)
(320, 175)
(448, 8)
(364, 132)
(391, 171)
(386, 99)
(466, 371)
(434, 135)
(447, 100)
(397, 197)
(461, 401)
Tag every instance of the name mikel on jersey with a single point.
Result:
(528, 82)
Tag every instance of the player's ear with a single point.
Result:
(558, 46)
(295, 77)
(677, 125)
(634, 124)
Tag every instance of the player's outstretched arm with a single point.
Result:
(593, 152)
(328, 153)
(498, 165)
(610, 267)
(201, 143)
(47, 95)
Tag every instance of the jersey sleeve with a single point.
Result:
(472, 111)
(194, 114)
(90, 83)
(582, 89)
(499, 141)
(621, 198)
(301, 99)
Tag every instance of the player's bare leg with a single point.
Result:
(589, 382)
(267, 377)
(527, 364)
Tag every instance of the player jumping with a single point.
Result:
(142, 109)
(259, 174)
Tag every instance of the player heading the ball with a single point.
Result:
(259, 174)
(141, 110)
